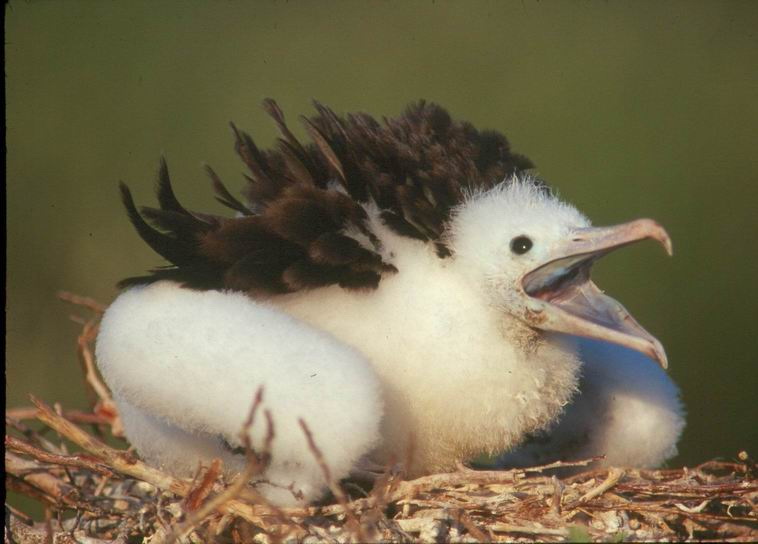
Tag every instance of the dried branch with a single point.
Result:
(256, 464)
(125, 463)
(200, 492)
(29, 473)
(614, 475)
(18, 530)
(79, 300)
(339, 494)
(15, 444)
(77, 416)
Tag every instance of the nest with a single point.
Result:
(93, 493)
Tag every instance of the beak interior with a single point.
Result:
(556, 278)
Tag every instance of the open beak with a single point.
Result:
(562, 298)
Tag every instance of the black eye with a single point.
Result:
(521, 244)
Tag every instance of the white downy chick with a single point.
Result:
(466, 364)
(452, 299)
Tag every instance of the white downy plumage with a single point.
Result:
(450, 358)
(627, 409)
(184, 367)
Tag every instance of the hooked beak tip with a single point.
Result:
(658, 233)
(665, 241)
(658, 354)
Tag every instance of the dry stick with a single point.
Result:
(533, 530)
(87, 359)
(216, 503)
(382, 487)
(125, 463)
(77, 416)
(79, 300)
(686, 490)
(204, 487)
(33, 474)
(33, 436)
(471, 526)
(614, 475)
(405, 489)
(250, 420)
(18, 513)
(89, 332)
(14, 483)
(555, 505)
(480, 477)
(560, 464)
(256, 464)
(67, 460)
(339, 494)
(260, 460)
(675, 512)
(692, 510)
(22, 533)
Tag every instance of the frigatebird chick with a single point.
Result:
(626, 409)
(404, 287)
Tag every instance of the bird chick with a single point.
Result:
(402, 287)
(626, 409)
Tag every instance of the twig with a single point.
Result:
(614, 475)
(339, 494)
(555, 505)
(79, 300)
(214, 504)
(32, 435)
(19, 531)
(77, 416)
(105, 405)
(535, 529)
(125, 463)
(256, 464)
(199, 492)
(472, 527)
(30, 473)
(73, 460)
(88, 334)
(480, 477)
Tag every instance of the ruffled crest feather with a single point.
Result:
(303, 198)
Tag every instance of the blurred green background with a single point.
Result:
(630, 109)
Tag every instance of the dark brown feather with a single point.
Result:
(178, 252)
(304, 198)
(165, 192)
(224, 196)
(182, 226)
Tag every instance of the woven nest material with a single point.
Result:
(100, 494)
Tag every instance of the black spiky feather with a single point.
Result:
(303, 199)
